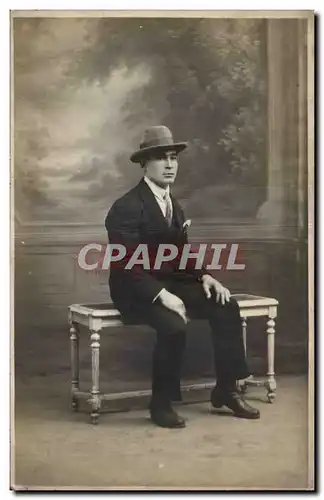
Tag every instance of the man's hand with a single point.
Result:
(209, 283)
(174, 303)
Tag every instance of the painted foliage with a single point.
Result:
(84, 90)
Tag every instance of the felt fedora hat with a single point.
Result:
(157, 139)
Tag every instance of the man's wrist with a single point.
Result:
(201, 278)
(159, 295)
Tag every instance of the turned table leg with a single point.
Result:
(95, 393)
(74, 341)
(271, 382)
(244, 325)
(241, 384)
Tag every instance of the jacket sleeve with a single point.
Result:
(123, 226)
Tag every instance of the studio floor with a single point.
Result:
(54, 448)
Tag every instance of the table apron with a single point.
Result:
(250, 312)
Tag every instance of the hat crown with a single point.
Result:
(156, 139)
(157, 136)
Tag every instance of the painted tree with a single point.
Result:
(86, 88)
(208, 85)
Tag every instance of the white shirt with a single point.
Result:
(159, 193)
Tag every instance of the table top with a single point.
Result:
(108, 310)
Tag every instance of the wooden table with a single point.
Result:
(97, 317)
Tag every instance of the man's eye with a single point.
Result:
(164, 157)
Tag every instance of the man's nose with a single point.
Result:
(169, 163)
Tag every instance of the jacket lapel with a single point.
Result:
(177, 213)
(151, 205)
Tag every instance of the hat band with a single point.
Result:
(166, 141)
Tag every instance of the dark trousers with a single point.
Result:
(226, 335)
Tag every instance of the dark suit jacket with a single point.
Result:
(137, 218)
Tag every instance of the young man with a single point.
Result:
(164, 298)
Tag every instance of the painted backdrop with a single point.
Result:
(84, 90)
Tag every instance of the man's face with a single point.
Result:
(162, 168)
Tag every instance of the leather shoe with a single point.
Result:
(166, 417)
(234, 402)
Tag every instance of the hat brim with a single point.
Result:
(145, 152)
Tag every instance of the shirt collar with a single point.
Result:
(158, 191)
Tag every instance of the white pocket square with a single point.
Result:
(186, 224)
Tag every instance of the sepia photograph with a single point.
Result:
(162, 242)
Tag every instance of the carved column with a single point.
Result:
(282, 213)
